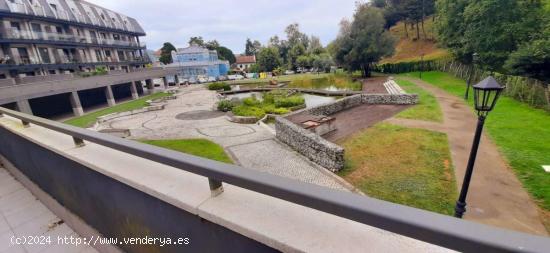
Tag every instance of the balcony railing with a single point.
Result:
(17, 7)
(422, 225)
(38, 10)
(61, 14)
(12, 33)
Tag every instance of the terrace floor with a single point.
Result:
(23, 215)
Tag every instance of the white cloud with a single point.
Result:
(231, 22)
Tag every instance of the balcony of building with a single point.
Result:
(24, 36)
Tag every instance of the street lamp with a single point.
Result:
(486, 94)
(474, 60)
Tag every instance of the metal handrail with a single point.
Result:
(426, 226)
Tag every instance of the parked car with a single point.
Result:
(192, 80)
(289, 72)
(202, 79)
(211, 79)
(235, 77)
(222, 78)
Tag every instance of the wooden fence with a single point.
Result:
(527, 90)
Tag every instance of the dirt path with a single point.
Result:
(496, 196)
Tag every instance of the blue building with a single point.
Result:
(196, 61)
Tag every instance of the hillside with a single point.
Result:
(410, 49)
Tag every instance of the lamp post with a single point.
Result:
(421, 65)
(486, 94)
(474, 60)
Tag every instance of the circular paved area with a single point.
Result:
(192, 115)
(199, 115)
(226, 131)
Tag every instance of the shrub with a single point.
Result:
(248, 111)
(219, 86)
(225, 105)
(271, 109)
(251, 101)
(291, 101)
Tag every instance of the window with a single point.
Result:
(44, 54)
(54, 7)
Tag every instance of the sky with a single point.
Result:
(231, 22)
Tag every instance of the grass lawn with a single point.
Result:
(89, 119)
(521, 132)
(197, 147)
(427, 109)
(407, 166)
(309, 81)
(283, 78)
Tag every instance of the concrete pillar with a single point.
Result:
(177, 78)
(165, 81)
(109, 94)
(24, 106)
(76, 105)
(133, 89)
(149, 84)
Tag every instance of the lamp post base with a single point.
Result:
(460, 209)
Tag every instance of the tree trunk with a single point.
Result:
(366, 70)
(417, 31)
(406, 31)
(424, 30)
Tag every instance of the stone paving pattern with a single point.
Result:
(251, 146)
(22, 214)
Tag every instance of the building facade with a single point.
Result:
(244, 62)
(195, 61)
(49, 37)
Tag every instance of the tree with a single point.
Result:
(367, 41)
(304, 61)
(252, 48)
(166, 53)
(268, 59)
(492, 28)
(199, 41)
(226, 54)
(315, 46)
(295, 36)
(295, 52)
(212, 45)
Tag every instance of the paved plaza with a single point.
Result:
(193, 115)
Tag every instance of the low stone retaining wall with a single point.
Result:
(241, 119)
(128, 113)
(315, 147)
(309, 144)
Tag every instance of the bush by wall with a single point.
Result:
(219, 86)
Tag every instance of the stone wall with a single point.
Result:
(315, 147)
(309, 144)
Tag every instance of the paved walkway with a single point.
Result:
(192, 115)
(22, 215)
(496, 196)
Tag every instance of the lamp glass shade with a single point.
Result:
(486, 94)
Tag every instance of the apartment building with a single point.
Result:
(195, 61)
(49, 37)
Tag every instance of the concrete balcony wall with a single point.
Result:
(122, 195)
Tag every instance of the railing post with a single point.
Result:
(79, 142)
(25, 124)
(1, 115)
(216, 187)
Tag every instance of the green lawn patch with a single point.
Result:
(427, 109)
(89, 119)
(521, 132)
(407, 166)
(197, 147)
